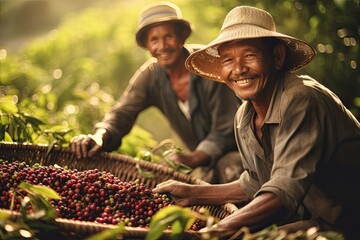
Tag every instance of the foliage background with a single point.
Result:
(67, 62)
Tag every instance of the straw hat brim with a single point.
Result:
(141, 30)
(206, 62)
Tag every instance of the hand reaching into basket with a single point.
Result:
(85, 146)
(257, 213)
(179, 191)
(185, 194)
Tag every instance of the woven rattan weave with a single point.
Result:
(121, 166)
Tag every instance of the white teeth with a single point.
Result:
(163, 55)
(244, 81)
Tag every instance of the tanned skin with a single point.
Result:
(250, 68)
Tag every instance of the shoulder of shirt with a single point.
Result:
(149, 64)
(308, 90)
(193, 47)
(303, 84)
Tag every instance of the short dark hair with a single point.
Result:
(272, 42)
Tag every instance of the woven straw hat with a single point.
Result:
(246, 22)
(158, 13)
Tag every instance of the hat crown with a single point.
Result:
(250, 16)
(158, 11)
(245, 22)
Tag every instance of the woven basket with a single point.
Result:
(119, 165)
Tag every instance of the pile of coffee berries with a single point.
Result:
(89, 195)
(197, 225)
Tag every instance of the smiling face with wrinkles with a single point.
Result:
(249, 68)
(165, 44)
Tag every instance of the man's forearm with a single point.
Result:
(265, 209)
(217, 194)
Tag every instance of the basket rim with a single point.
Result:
(94, 227)
(227, 208)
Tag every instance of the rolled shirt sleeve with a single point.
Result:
(119, 121)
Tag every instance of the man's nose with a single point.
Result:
(240, 67)
(162, 44)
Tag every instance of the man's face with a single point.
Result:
(247, 67)
(164, 44)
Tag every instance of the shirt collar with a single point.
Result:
(273, 115)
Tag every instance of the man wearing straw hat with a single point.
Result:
(193, 105)
(298, 143)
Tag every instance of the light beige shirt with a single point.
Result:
(309, 154)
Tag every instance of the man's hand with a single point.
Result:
(180, 192)
(85, 146)
(262, 211)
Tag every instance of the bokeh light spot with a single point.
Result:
(46, 89)
(15, 99)
(353, 64)
(57, 74)
(25, 233)
(3, 54)
(94, 101)
(342, 32)
(70, 109)
(321, 48)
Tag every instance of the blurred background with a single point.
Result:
(67, 62)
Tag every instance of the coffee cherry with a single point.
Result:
(88, 195)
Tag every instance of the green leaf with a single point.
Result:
(7, 104)
(332, 235)
(165, 217)
(145, 174)
(183, 168)
(50, 147)
(41, 207)
(4, 215)
(41, 190)
(171, 163)
(8, 137)
(109, 233)
(33, 120)
(178, 227)
(144, 155)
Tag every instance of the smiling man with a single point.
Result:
(298, 143)
(193, 105)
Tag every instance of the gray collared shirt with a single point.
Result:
(212, 107)
(309, 153)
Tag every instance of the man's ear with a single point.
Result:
(279, 53)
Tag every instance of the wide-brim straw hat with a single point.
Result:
(245, 22)
(158, 13)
